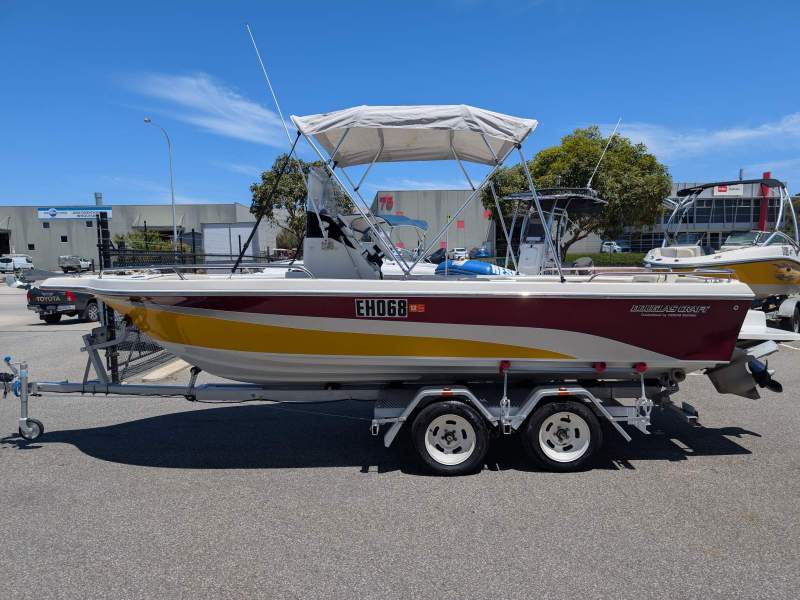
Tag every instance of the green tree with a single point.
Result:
(286, 208)
(286, 239)
(630, 179)
(149, 240)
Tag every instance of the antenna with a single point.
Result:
(269, 83)
(608, 143)
(292, 144)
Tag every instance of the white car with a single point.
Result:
(610, 248)
(9, 264)
(459, 254)
(74, 263)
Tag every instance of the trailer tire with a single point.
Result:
(792, 323)
(450, 437)
(33, 430)
(562, 436)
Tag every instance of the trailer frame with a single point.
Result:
(395, 404)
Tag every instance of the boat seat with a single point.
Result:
(680, 251)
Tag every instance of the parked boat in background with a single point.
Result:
(767, 261)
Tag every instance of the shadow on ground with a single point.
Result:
(337, 435)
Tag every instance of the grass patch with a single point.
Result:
(618, 259)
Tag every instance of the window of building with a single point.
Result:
(64, 238)
(45, 225)
(31, 246)
(89, 223)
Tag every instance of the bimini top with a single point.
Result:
(411, 133)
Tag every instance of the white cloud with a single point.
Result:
(429, 184)
(406, 183)
(667, 143)
(241, 168)
(134, 188)
(201, 100)
(789, 164)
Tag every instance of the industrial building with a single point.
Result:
(718, 212)
(46, 232)
(474, 227)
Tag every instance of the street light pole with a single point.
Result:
(149, 121)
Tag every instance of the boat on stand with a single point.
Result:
(566, 350)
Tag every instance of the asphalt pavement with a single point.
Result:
(159, 497)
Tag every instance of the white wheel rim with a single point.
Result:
(564, 437)
(450, 439)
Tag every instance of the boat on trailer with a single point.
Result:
(341, 330)
(767, 261)
(567, 351)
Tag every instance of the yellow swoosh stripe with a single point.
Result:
(210, 332)
(772, 272)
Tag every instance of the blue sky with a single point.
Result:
(709, 86)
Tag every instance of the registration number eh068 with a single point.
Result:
(395, 308)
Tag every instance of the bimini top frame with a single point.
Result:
(366, 135)
(688, 196)
(557, 202)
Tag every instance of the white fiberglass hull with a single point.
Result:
(265, 330)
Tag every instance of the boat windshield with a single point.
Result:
(688, 239)
(743, 238)
(406, 254)
(779, 239)
(759, 238)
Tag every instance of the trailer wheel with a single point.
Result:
(450, 437)
(562, 436)
(793, 323)
(33, 430)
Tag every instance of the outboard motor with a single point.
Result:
(741, 375)
(760, 372)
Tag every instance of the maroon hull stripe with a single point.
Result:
(686, 329)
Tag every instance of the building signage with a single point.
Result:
(82, 213)
(736, 189)
(386, 203)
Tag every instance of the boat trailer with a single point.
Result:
(451, 423)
